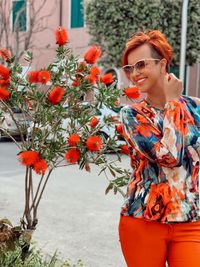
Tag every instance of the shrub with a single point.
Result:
(111, 23)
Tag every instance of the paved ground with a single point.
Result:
(75, 216)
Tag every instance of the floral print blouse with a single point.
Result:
(165, 152)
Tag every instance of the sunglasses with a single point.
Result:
(138, 66)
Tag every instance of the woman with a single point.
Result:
(160, 218)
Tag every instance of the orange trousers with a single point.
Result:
(152, 244)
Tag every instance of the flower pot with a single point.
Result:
(11, 236)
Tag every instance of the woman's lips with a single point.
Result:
(140, 81)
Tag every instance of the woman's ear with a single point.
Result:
(163, 64)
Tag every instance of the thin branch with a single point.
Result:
(116, 186)
(13, 118)
(37, 192)
(26, 210)
(10, 136)
(41, 193)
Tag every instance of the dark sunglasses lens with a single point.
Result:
(128, 69)
(140, 65)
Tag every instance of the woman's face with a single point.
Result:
(148, 71)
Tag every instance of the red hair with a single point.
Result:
(157, 41)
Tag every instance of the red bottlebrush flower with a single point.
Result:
(40, 166)
(107, 78)
(81, 67)
(32, 76)
(5, 54)
(94, 143)
(132, 92)
(5, 83)
(92, 54)
(93, 122)
(119, 128)
(4, 94)
(74, 139)
(4, 72)
(72, 155)
(90, 79)
(94, 71)
(44, 76)
(56, 95)
(28, 158)
(125, 149)
(77, 82)
(61, 36)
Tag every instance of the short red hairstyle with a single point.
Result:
(157, 41)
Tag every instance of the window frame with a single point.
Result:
(70, 17)
(27, 16)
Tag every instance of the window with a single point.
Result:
(77, 14)
(19, 15)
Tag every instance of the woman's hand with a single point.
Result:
(173, 87)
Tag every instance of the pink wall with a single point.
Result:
(194, 80)
(45, 40)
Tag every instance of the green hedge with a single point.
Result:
(111, 22)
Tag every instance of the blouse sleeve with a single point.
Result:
(165, 147)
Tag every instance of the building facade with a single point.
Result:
(30, 25)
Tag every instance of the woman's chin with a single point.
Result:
(143, 89)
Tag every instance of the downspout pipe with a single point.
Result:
(183, 40)
(60, 13)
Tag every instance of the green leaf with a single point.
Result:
(110, 187)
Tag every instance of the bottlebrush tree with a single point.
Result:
(59, 128)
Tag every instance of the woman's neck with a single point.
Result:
(156, 97)
(156, 102)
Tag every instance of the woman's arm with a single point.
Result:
(166, 147)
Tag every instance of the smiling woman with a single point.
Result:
(163, 132)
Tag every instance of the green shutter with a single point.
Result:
(19, 15)
(77, 13)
